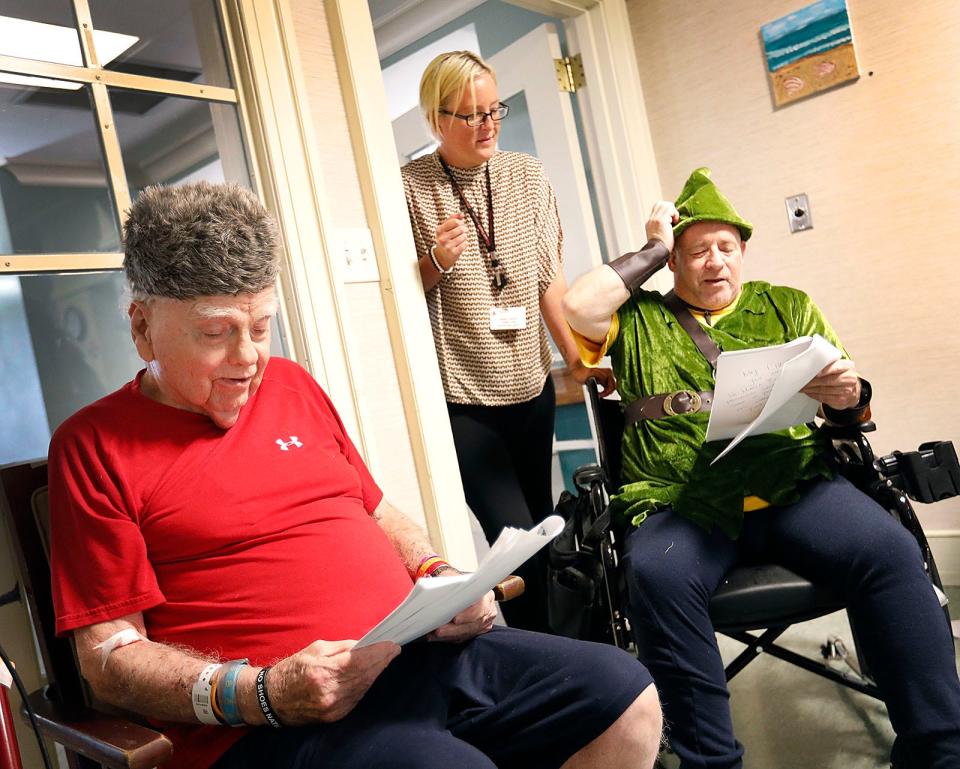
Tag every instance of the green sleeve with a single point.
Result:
(810, 319)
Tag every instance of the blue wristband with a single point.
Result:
(227, 693)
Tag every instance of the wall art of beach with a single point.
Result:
(809, 51)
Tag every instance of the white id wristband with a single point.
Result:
(202, 705)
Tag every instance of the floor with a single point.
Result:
(791, 719)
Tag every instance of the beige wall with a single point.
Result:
(879, 159)
(388, 442)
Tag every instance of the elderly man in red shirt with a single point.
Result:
(211, 520)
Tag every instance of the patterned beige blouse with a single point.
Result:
(479, 366)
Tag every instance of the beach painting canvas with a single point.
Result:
(809, 51)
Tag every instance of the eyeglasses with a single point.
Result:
(479, 118)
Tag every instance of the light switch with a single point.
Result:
(354, 249)
(798, 213)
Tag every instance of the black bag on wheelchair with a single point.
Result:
(578, 596)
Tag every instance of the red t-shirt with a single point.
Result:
(248, 542)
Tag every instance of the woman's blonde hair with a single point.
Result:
(446, 79)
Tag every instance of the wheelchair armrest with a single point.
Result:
(509, 588)
(111, 741)
(847, 432)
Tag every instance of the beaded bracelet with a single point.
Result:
(264, 700)
(436, 263)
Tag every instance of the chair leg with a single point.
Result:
(756, 645)
(764, 643)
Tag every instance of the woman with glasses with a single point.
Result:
(489, 243)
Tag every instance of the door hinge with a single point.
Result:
(569, 73)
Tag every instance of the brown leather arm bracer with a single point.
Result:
(635, 268)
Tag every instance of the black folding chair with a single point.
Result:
(755, 604)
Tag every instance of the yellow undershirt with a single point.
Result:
(592, 352)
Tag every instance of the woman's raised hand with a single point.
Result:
(451, 239)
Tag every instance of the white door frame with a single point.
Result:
(614, 114)
(615, 123)
(527, 65)
(627, 174)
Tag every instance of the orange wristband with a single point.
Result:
(429, 565)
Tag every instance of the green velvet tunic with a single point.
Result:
(667, 459)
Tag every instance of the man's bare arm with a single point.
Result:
(320, 683)
(593, 298)
(408, 539)
(551, 308)
(412, 545)
(144, 677)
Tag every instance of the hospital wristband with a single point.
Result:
(201, 696)
(263, 700)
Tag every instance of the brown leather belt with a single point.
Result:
(667, 405)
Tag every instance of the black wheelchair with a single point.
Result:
(755, 604)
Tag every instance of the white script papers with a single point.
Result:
(435, 601)
(758, 391)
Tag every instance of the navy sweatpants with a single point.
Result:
(508, 699)
(835, 535)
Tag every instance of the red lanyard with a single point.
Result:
(487, 240)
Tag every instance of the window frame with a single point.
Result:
(99, 80)
(92, 74)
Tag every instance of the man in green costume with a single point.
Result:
(775, 497)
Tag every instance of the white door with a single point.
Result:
(541, 123)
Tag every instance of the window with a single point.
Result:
(53, 171)
(143, 96)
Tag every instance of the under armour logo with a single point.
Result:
(285, 445)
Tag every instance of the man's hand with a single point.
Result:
(604, 377)
(837, 385)
(451, 239)
(326, 680)
(660, 224)
(471, 622)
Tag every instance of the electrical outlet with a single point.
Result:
(354, 249)
(798, 213)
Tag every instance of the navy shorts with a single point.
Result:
(508, 698)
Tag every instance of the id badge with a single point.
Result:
(508, 318)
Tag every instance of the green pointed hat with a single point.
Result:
(701, 201)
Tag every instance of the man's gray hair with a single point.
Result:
(199, 239)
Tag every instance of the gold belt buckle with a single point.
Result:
(695, 400)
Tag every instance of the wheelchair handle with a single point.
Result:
(929, 474)
(510, 588)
